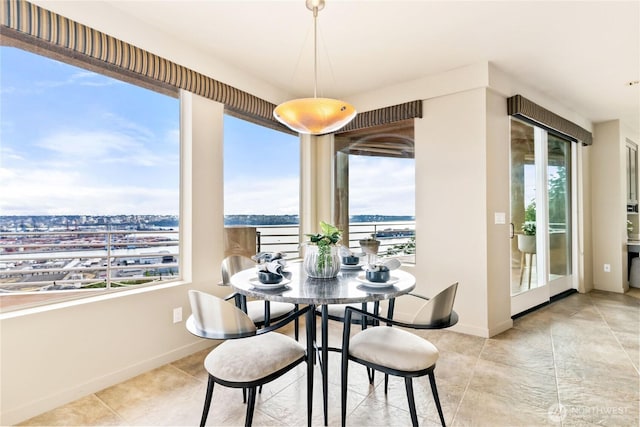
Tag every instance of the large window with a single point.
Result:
(89, 174)
(375, 188)
(261, 188)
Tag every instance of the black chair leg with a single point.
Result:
(244, 395)
(324, 363)
(408, 383)
(371, 374)
(296, 326)
(315, 331)
(267, 313)
(207, 401)
(343, 387)
(250, 407)
(386, 383)
(310, 316)
(434, 390)
(309, 390)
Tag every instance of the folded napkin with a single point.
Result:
(272, 263)
(389, 264)
(262, 257)
(345, 252)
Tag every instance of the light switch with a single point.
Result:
(177, 314)
(499, 218)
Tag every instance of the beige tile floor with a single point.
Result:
(573, 362)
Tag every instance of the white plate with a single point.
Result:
(362, 278)
(351, 267)
(259, 285)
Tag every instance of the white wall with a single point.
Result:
(608, 206)
(454, 209)
(585, 233)
(56, 354)
(498, 142)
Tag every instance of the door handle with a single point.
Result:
(512, 232)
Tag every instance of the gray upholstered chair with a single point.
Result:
(250, 357)
(261, 312)
(398, 352)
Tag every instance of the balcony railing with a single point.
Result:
(32, 261)
(392, 235)
(41, 261)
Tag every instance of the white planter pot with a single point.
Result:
(527, 244)
(319, 265)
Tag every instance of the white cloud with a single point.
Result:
(9, 154)
(77, 146)
(63, 192)
(276, 196)
(81, 78)
(381, 186)
(172, 136)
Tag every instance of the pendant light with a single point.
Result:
(315, 115)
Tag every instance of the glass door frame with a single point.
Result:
(564, 283)
(546, 288)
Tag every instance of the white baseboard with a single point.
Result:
(498, 329)
(62, 397)
(482, 332)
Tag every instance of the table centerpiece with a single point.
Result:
(322, 252)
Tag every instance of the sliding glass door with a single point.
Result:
(541, 215)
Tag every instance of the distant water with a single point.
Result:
(264, 220)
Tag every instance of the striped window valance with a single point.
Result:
(395, 113)
(34, 25)
(31, 27)
(521, 107)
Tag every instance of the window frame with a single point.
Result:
(28, 299)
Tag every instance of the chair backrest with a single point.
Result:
(216, 318)
(233, 264)
(437, 311)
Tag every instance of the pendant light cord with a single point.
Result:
(315, 51)
(315, 116)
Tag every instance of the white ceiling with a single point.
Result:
(582, 54)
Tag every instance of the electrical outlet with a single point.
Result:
(177, 315)
(607, 268)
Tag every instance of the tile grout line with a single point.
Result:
(555, 371)
(124, 420)
(466, 387)
(624, 350)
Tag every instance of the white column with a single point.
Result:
(461, 154)
(202, 204)
(316, 182)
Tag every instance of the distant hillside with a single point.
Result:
(294, 219)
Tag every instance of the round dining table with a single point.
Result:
(349, 287)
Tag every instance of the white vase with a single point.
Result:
(321, 265)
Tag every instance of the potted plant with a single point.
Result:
(527, 240)
(322, 255)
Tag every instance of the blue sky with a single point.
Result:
(76, 142)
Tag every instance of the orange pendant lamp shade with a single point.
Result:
(314, 116)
